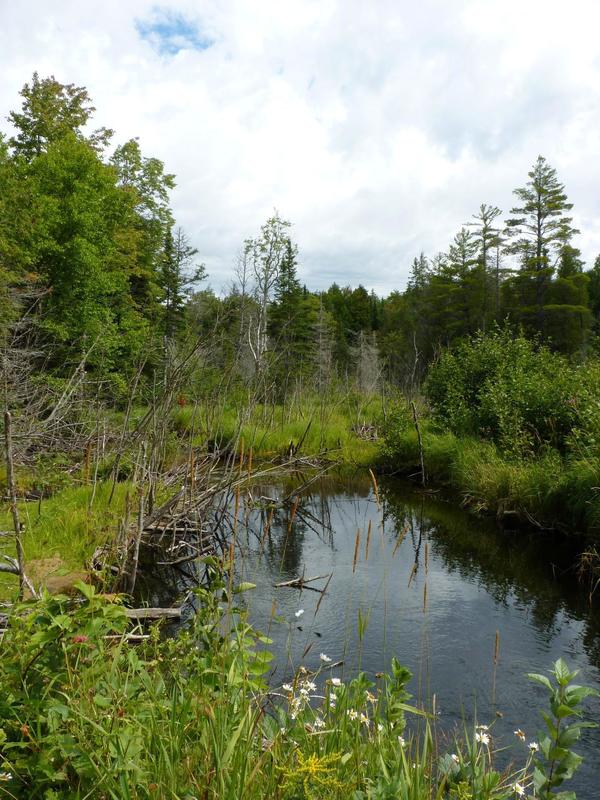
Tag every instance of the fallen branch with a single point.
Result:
(153, 613)
(300, 583)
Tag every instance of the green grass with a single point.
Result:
(66, 527)
(549, 490)
(325, 431)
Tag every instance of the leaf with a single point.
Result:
(86, 589)
(102, 701)
(541, 679)
(245, 586)
(562, 673)
(575, 694)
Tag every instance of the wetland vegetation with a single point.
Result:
(169, 447)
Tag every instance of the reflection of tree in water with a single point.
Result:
(534, 570)
(283, 525)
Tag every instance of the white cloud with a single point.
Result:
(378, 128)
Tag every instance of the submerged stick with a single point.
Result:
(299, 582)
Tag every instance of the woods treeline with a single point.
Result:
(94, 270)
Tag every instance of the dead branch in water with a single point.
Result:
(301, 583)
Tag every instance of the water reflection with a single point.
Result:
(416, 578)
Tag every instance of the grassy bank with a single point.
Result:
(311, 429)
(86, 715)
(548, 490)
(61, 532)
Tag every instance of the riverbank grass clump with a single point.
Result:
(311, 429)
(85, 714)
(510, 425)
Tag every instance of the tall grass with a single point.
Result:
(84, 715)
(62, 531)
(548, 490)
(276, 430)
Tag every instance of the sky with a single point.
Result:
(377, 128)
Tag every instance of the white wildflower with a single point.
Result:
(520, 734)
(482, 727)
(336, 682)
(533, 746)
(310, 686)
(380, 727)
(484, 738)
(352, 714)
(287, 687)
(319, 723)
(518, 789)
(455, 758)
(324, 658)
(5, 776)
(401, 741)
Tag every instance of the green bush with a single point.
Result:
(519, 395)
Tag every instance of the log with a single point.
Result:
(153, 613)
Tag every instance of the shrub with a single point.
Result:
(510, 390)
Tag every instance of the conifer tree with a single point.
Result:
(487, 236)
(177, 276)
(538, 230)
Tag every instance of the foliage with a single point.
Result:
(556, 762)
(85, 714)
(507, 389)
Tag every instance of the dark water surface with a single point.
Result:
(433, 590)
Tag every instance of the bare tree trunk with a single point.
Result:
(140, 527)
(12, 492)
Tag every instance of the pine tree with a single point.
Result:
(538, 231)
(292, 319)
(177, 277)
(487, 236)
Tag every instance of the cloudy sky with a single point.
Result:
(376, 127)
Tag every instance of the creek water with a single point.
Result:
(445, 592)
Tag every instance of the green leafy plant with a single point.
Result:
(556, 761)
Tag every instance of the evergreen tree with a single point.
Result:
(292, 320)
(177, 277)
(538, 231)
(487, 236)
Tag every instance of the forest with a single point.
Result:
(137, 400)
(96, 269)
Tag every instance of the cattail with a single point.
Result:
(400, 539)
(375, 487)
(293, 513)
(356, 546)
(267, 527)
(413, 572)
(496, 657)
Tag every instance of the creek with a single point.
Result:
(469, 609)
